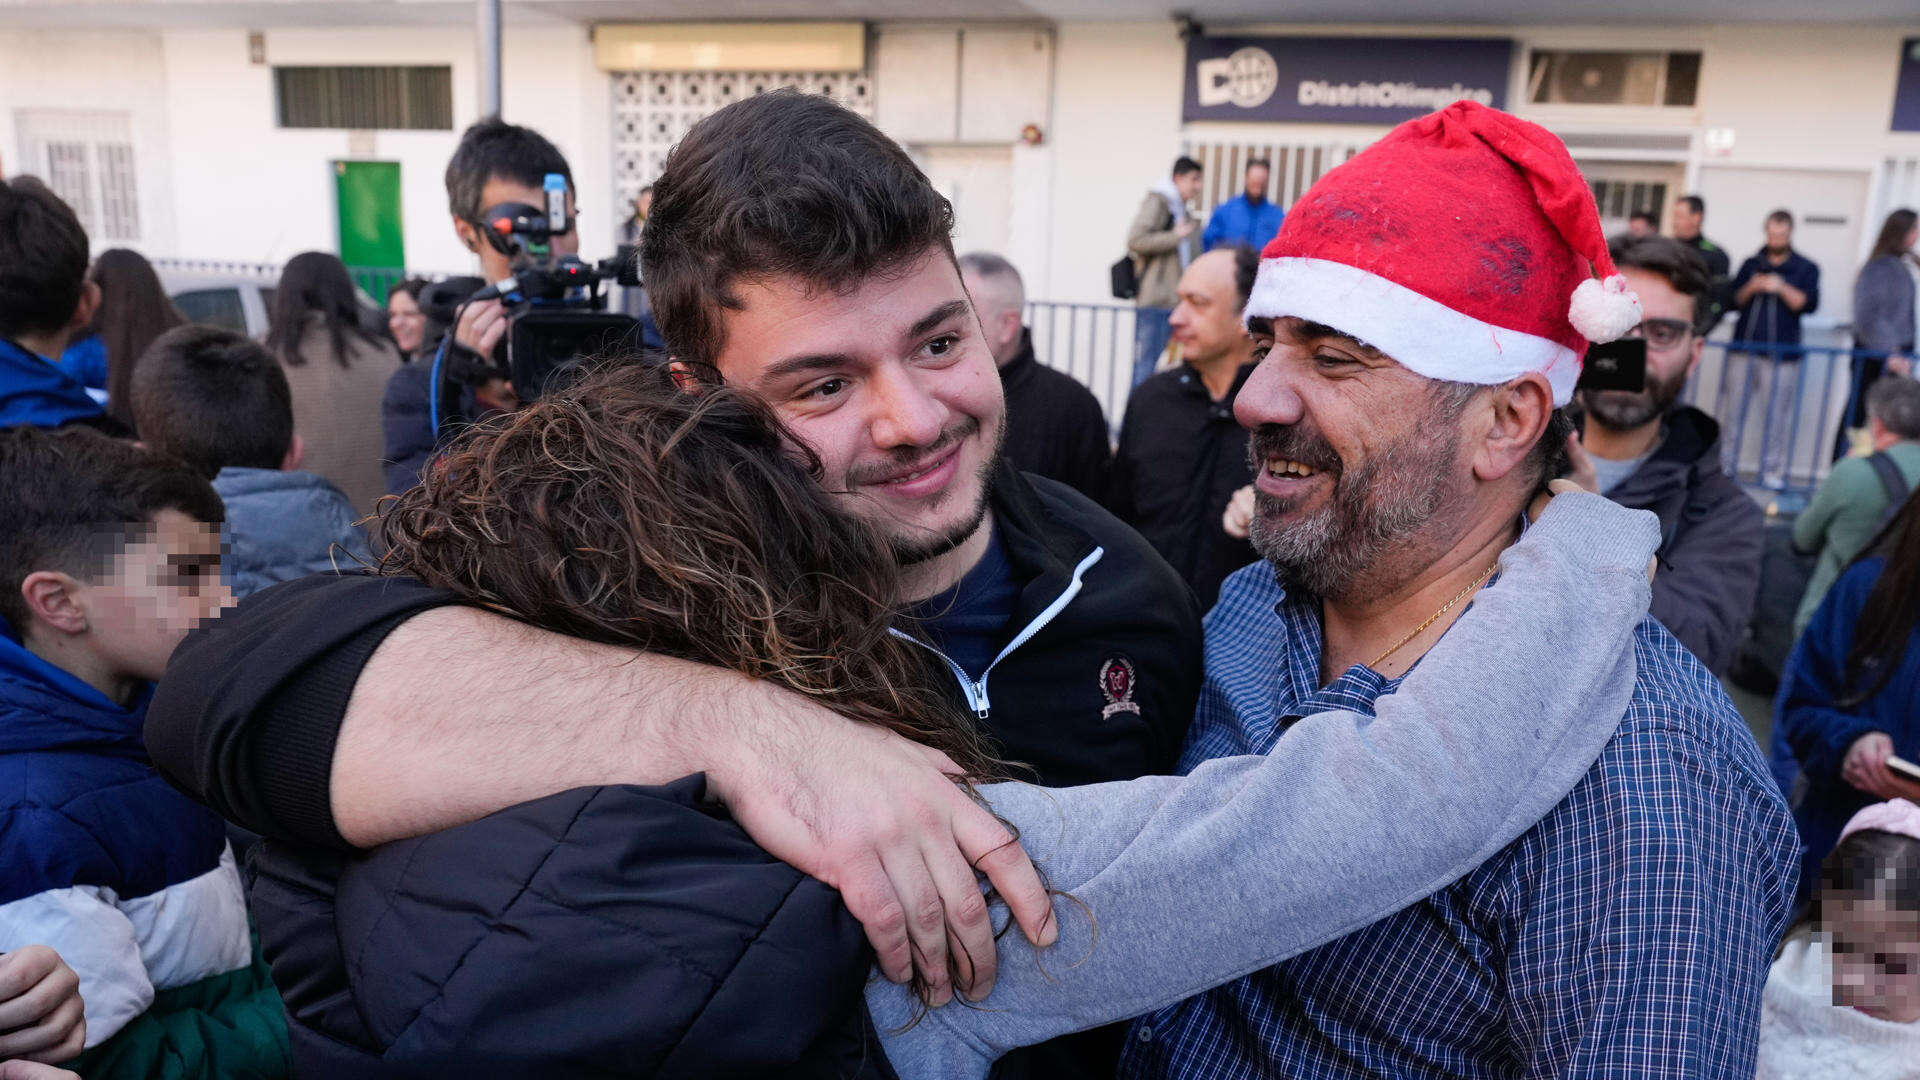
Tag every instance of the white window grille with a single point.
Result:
(87, 158)
(1295, 166)
(653, 109)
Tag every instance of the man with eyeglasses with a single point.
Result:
(1647, 451)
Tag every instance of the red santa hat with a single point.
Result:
(1465, 245)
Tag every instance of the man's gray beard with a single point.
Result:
(1626, 413)
(1375, 506)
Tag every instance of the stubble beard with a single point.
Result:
(1624, 412)
(1375, 506)
(913, 547)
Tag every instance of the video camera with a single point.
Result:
(556, 305)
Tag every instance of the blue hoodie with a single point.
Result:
(35, 393)
(129, 881)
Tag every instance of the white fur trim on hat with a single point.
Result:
(1603, 310)
(1424, 335)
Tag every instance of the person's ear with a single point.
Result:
(1699, 346)
(468, 235)
(296, 453)
(1515, 417)
(54, 599)
(683, 376)
(89, 305)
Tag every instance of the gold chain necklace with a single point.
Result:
(1435, 617)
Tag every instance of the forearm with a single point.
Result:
(1792, 297)
(461, 712)
(1474, 747)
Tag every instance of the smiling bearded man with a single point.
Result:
(1419, 322)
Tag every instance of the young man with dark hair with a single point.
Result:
(795, 251)
(496, 162)
(1055, 426)
(1646, 450)
(1773, 291)
(218, 401)
(45, 298)
(1182, 455)
(1162, 243)
(1642, 224)
(109, 555)
(1248, 219)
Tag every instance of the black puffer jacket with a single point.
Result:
(600, 932)
(1712, 536)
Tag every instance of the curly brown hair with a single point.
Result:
(631, 510)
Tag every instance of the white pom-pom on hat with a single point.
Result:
(1604, 310)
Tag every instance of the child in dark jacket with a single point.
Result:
(219, 401)
(109, 555)
(1850, 697)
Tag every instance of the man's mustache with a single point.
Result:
(1294, 442)
(905, 456)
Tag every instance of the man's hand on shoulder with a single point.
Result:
(881, 819)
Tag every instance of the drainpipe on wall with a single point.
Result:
(489, 46)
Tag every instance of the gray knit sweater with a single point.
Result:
(1180, 884)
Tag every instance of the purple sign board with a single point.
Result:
(1906, 92)
(1341, 80)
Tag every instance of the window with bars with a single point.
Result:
(87, 158)
(1621, 199)
(1295, 167)
(365, 98)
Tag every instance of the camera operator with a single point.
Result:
(495, 163)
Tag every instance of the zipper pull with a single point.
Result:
(981, 706)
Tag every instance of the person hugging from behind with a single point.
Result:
(45, 298)
(1850, 696)
(219, 402)
(1843, 998)
(109, 555)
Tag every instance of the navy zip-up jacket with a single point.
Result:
(1821, 730)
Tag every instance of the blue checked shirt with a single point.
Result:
(1628, 934)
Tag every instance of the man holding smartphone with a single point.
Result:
(1647, 451)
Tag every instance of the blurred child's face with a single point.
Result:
(1876, 957)
(164, 582)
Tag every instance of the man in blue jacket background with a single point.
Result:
(1247, 218)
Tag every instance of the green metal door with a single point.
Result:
(367, 196)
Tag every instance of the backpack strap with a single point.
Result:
(1890, 477)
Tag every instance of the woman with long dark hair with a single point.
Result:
(1883, 314)
(337, 371)
(635, 931)
(134, 309)
(1850, 698)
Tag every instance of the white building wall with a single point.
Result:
(1115, 131)
(108, 71)
(250, 190)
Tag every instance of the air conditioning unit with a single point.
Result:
(1596, 78)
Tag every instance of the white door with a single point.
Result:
(978, 180)
(1829, 211)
